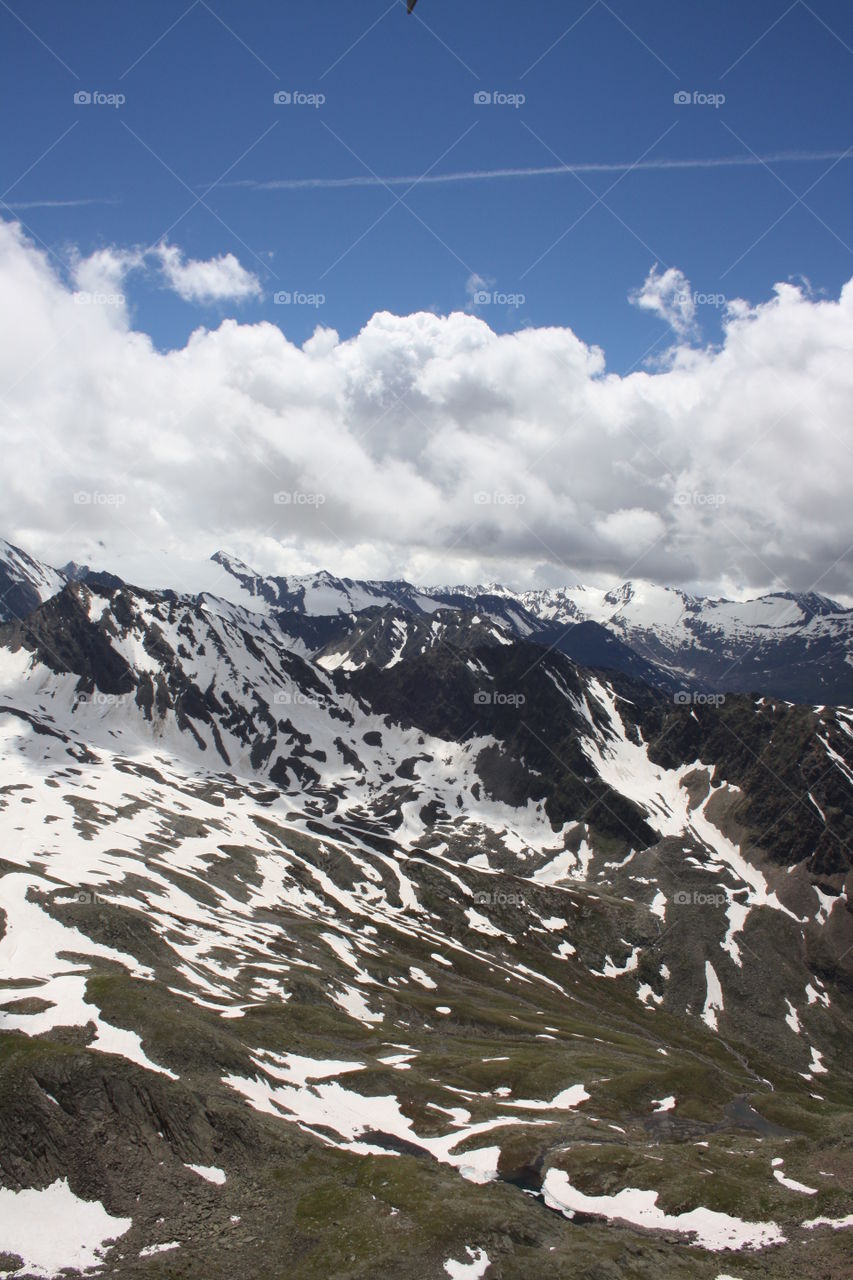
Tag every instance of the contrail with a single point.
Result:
(54, 204)
(491, 175)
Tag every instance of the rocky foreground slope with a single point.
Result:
(396, 944)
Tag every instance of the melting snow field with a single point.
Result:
(567, 1100)
(34, 949)
(626, 766)
(203, 915)
(53, 1229)
(711, 1230)
(325, 1106)
(836, 1223)
(664, 1104)
(152, 1249)
(713, 999)
(468, 1270)
(790, 1183)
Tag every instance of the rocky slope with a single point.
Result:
(410, 948)
(24, 582)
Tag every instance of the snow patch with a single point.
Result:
(209, 1172)
(468, 1270)
(711, 1230)
(713, 998)
(53, 1229)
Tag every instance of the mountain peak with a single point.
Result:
(232, 563)
(811, 602)
(24, 582)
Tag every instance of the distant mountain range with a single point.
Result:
(783, 645)
(797, 647)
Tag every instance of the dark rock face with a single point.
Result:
(60, 635)
(795, 801)
(589, 644)
(24, 582)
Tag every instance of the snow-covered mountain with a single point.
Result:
(783, 645)
(320, 594)
(24, 582)
(423, 950)
(797, 647)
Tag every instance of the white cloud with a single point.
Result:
(668, 294)
(219, 279)
(730, 469)
(631, 532)
(99, 280)
(105, 270)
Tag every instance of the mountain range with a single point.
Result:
(798, 647)
(585, 856)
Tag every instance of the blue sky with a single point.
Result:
(470, 204)
(200, 124)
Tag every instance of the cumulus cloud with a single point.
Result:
(668, 294)
(104, 271)
(220, 279)
(428, 446)
(215, 280)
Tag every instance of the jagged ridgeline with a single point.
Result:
(354, 929)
